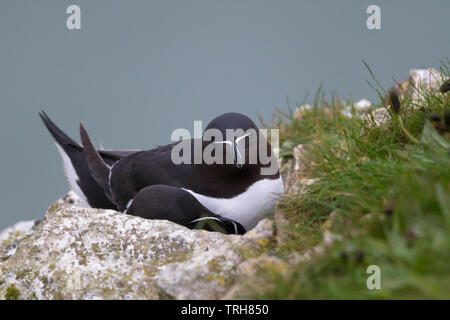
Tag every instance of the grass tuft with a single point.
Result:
(389, 192)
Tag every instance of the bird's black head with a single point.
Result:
(236, 135)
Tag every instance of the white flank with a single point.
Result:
(71, 175)
(250, 206)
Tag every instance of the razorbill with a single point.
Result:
(149, 184)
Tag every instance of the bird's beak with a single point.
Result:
(238, 161)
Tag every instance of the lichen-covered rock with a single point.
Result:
(84, 253)
(292, 170)
(254, 275)
(212, 272)
(420, 81)
(296, 181)
(362, 106)
(12, 236)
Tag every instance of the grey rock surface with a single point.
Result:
(84, 253)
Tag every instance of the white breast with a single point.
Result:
(248, 207)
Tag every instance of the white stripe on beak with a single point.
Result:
(236, 152)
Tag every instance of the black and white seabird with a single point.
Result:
(149, 184)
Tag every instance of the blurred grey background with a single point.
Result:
(139, 69)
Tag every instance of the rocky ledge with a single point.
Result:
(84, 253)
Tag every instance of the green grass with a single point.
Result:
(391, 197)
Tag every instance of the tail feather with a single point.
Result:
(76, 167)
(60, 137)
(109, 156)
(100, 171)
